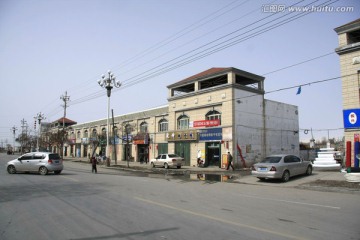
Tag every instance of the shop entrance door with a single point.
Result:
(213, 150)
(143, 153)
(183, 150)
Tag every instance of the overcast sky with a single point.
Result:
(49, 47)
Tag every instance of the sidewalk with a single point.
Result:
(142, 166)
(328, 181)
(241, 175)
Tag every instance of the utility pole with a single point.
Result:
(65, 98)
(23, 125)
(114, 133)
(39, 117)
(14, 129)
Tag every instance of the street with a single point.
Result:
(113, 204)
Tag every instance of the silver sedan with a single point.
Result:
(281, 167)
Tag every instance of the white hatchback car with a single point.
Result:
(41, 162)
(167, 160)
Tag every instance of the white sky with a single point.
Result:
(49, 47)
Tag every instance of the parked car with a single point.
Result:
(41, 162)
(282, 167)
(167, 160)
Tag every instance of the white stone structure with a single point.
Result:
(325, 159)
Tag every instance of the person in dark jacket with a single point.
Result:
(93, 163)
(230, 159)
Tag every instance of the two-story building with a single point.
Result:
(215, 111)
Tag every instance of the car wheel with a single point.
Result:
(152, 165)
(166, 166)
(178, 167)
(261, 178)
(11, 169)
(285, 176)
(309, 170)
(57, 172)
(43, 171)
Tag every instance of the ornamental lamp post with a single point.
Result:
(13, 129)
(39, 117)
(108, 82)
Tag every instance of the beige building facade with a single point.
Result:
(216, 111)
(349, 53)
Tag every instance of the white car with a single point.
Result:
(282, 167)
(41, 162)
(167, 160)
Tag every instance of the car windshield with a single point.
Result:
(173, 156)
(271, 160)
(54, 156)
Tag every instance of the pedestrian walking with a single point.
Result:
(230, 159)
(93, 163)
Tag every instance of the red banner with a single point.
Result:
(207, 123)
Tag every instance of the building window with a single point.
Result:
(103, 131)
(116, 131)
(72, 135)
(86, 134)
(94, 133)
(212, 115)
(144, 127)
(128, 129)
(78, 134)
(353, 37)
(163, 125)
(183, 122)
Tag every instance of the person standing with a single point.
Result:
(93, 163)
(230, 159)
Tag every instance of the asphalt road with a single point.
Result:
(117, 204)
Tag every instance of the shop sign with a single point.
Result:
(141, 138)
(356, 137)
(72, 141)
(117, 140)
(189, 135)
(227, 134)
(351, 118)
(211, 134)
(207, 123)
(85, 141)
(127, 137)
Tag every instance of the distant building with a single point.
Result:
(215, 111)
(349, 53)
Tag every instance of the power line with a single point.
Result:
(177, 35)
(204, 53)
(299, 63)
(218, 47)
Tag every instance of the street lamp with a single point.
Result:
(14, 129)
(39, 117)
(108, 82)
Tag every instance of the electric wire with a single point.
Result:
(100, 93)
(179, 63)
(204, 53)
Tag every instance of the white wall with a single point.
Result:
(249, 125)
(281, 126)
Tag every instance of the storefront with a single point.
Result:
(183, 140)
(127, 146)
(85, 144)
(212, 138)
(141, 141)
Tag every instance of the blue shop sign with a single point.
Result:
(211, 134)
(351, 118)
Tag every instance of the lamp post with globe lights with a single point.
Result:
(108, 82)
